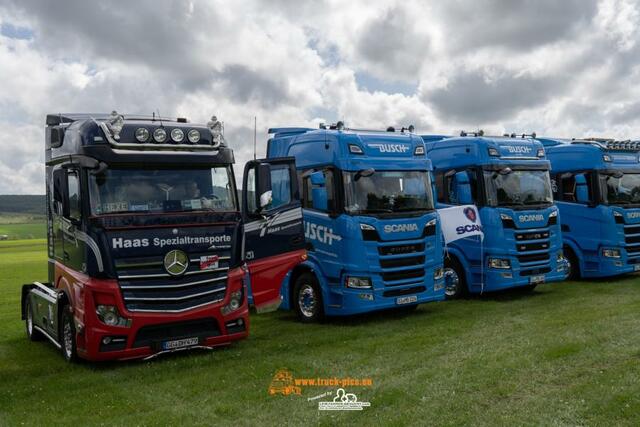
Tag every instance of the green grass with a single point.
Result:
(567, 354)
(20, 231)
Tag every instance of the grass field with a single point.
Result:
(20, 226)
(567, 354)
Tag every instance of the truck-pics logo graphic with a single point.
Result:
(391, 148)
(282, 383)
(343, 401)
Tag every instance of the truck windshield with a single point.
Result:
(620, 189)
(387, 192)
(162, 190)
(518, 187)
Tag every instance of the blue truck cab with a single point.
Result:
(597, 189)
(507, 178)
(370, 222)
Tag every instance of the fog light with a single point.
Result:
(235, 301)
(142, 134)
(611, 253)
(109, 315)
(358, 282)
(177, 135)
(499, 263)
(106, 340)
(194, 136)
(160, 135)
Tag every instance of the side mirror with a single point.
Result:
(463, 188)
(582, 190)
(319, 191)
(263, 186)
(57, 137)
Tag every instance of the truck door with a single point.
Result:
(273, 232)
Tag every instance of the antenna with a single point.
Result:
(160, 118)
(255, 135)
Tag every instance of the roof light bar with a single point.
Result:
(477, 133)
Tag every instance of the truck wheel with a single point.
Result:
(307, 299)
(32, 333)
(455, 283)
(574, 266)
(68, 335)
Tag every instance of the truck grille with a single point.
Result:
(533, 251)
(147, 287)
(632, 240)
(402, 263)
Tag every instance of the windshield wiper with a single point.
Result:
(412, 209)
(377, 210)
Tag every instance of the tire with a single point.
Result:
(455, 282)
(68, 335)
(32, 333)
(574, 265)
(307, 299)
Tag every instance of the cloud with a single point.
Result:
(477, 97)
(567, 68)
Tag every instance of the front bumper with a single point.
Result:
(345, 301)
(203, 327)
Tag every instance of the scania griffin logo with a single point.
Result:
(176, 262)
(532, 217)
(470, 213)
(398, 228)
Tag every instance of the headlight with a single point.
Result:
(505, 217)
(553, 214)
(419, 151)
(432, 222)
(109, 315)
(500, 263)
(494, 152)
(235, 302)
(611, 253)
(142, 134)
(540, 152)
(160, 135)
(358, 282)
(194, 136)
(177, 135)
(367, 227)
(438, 273)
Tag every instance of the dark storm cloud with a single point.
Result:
(156, 34)
(243, 84)
(513, 24)
(472, 98)
(390, 42)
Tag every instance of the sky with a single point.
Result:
(567, 68)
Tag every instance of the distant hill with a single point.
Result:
(22, 204)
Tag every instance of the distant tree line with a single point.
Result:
(23, 204)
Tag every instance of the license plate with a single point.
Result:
(181, 343)
(537, 279)
(406, 300)
(636, 267)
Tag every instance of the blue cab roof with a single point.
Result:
(460, 151)
(349, 149)
(572, 155)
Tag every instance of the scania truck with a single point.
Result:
(146, 244)
(596, 183)
(507, 178)
(372, 232)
